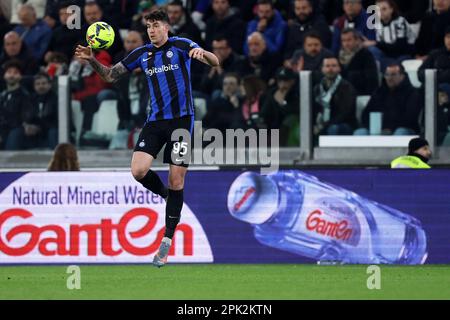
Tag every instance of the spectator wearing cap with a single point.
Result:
(34, 32)
(433, 28)
(358, 64)
(15, 106)
(306, 19)
(438, 59)
(280, 107)
(225, 20)
(335, 102)
(395, 39)
(398, 101)
(310, 58)
(419, 153)
(354, 17)
(270, 24)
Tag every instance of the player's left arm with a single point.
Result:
(204, 56)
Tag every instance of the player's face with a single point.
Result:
(157, 31)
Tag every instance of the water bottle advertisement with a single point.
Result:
(290, 216)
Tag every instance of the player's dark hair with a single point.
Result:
(13, 63)
(158, 15)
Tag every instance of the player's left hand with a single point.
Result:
(197, 53)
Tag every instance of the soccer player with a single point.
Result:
(166, 62)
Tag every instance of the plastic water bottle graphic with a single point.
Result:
(294, 211)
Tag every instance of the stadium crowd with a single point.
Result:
(261, 44)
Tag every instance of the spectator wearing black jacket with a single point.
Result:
(306, 19)
(358, 64)
(259, 62)
(64, 39)
(335, 102)
(180, 23)
(280, 106)
(15, 107)
(398, 101)
(15, 48)
(433, 28)
(438, 59)
(229, 62)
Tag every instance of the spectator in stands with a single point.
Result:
(280, 107)
(88, 87)
(443, 115)
(65, 158)
(310, 57)
(419, 153)
(94, 13)
(57, 64)
(15, 106)
(398, 101)
(358, 64)
(14, 48)
(306, 19)
(64, 38)
(180, 22)
(139, 23)
(260, 61)
(38, 5)
(132, 88)
(226, 21)
(35, 33)
(354, 17)
(52, 10)
(40, 130)
(229, 62)
(335, 102)
(5, 26)
(224, 109)
(119, 11)
(270, 24)
(413, 11)
(432, 30)
(252, 88)
(395, 39)
(438, 59)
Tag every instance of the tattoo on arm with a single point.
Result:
(109, 74)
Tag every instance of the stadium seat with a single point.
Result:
(77, 118)
(411, 68)
(361, 103)
(106, 120)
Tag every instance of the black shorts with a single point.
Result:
(156, 134)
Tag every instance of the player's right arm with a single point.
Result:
(108, 74)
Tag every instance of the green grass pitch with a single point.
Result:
(216, 281)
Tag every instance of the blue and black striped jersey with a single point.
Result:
(168, 70)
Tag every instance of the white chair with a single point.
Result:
(106, 120)
(361, 103)
(411, 68)
(77, 118)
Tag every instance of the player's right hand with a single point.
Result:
(84, 52)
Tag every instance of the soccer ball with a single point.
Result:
(100, 35)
